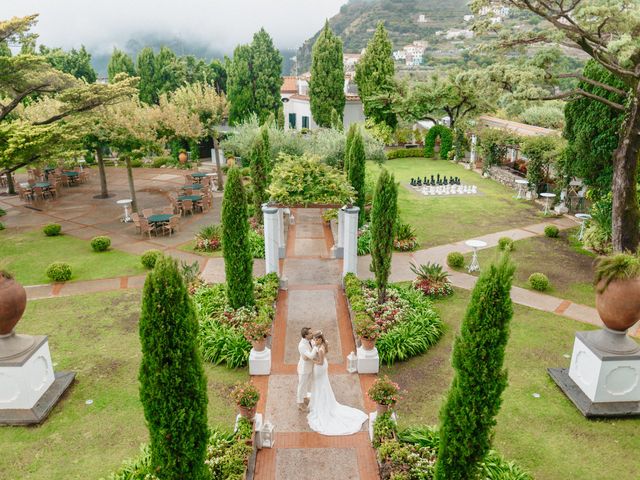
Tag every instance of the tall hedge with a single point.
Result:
(353, 128)
(259, 176)
(446, 141)
(173, 387)
(238, 264)
(383, 217)
(357, 163)
(474, 399)
(266, 151)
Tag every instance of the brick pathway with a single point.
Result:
(314, 299)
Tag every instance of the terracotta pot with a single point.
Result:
(619, 304)
(259, 345)
(182, 157)
(247, 412)
(380, 408)
(367, 343)
(13, 300)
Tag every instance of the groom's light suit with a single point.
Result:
(305, 369)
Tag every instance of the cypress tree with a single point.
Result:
(146, 66)
(173, 387)
(326, 90)
(120, 62)
(474, 398)
(350, 134)
(357, 171)
(259, 176)
(383, 218)
(238, 262)
(266, 150)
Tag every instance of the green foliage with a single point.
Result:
(551, 231)
(259, 166)
(52, 230)
(137, 468)
(209, 238)
(100, 243)
(493, 143)
(539, 281)
(547, 116)
(3, 212)
(384, 429)
(256, 244)
(2, 227)
(430, 271)
(455, 260)
(446, 141)
(150, 257)
(542, 152)
(351, 133)
(364, 240)
(238, 262)
(505, 244)
(304, 180)
(173, 386)
(622, 266)
(59, 271)
(474, 398)
(326, 89)
(380, 131)
(146, 70)
(120, 62)
(405, 153)
(74, 62)
(383, 218)
(357, 162)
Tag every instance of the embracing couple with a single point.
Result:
(326, 416)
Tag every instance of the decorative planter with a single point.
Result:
(259, 345)
(182, 157)
(13, 300)
(381, 408)
(619, 304)
(247, 412)
(367, 343)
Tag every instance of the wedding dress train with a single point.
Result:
(327, 416)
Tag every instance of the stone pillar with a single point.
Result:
(338, 249)
(282, 245)
(474, 142)
(271, 250)
(350, 240)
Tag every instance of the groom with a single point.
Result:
(305, 366)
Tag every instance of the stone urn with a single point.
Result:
(182, 157)
(13, 301)
(619, 304)
(367, 343)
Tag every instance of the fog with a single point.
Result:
(221, 25)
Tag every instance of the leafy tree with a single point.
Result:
(542, 152)
(74, 62)
(357, 162)
(120, 62)
(474, 398)
(173, 386)
(146, 68)
(239, 85)
(259, 159)
(167, 73)
(326, 90)
(238, 261)
(351, 133)
(5, 51)
(374, 76)
(383, 219)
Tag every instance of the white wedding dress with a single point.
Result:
(327, 416)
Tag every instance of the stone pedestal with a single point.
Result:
(338, 248)
(350, 240)
(282, 244)
(260, 362)
(368, 360)
(271, 239)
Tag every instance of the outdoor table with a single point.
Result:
(583, 217)
(42, 184)
(521, 187)
(125, 202)
(159, 218)
(73, 176)
(198, 176)
(548, 197)
(195, 186)
(193, 198)
(475, 244)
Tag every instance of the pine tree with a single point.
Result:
(383, 218)
(146, 67)
(173, 387)
(468, 416)
(353, 128)
(120, 62)
(326, 90)
(259, 156)
(238, 262)
(357, 163)
(374, 76)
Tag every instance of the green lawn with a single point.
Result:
(569, 269)
(27, 256)
(440, 220)
(547, 436)
(96, 336)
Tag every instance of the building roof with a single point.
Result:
(289, 85)
(349, 98)
(519, 128)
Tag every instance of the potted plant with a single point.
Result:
(182, 156)
(13, 300)
(257, 332)
(246, 396)
(367, 330)
(385, 393)
(617, 283)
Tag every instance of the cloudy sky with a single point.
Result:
(222, 24)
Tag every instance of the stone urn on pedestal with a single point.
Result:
(257, 333)
(367, 331)
(604, 376)
(28, 386)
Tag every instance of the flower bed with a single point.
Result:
(405, 325)
(404, 239)
(209, 239)
(225, 333)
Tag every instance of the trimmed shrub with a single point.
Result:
(100, 243)
(539, 281)
(137, 163)
(383, 217)
(446, 141)
(405, 153)
(59, 271)
(52, 230)
(356, 176)
(455, 260)
(150, 257)
(551, 231)
(505, 244)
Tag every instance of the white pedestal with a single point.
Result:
(604, 377)
(350, 241)
(368, 360)
(22, 384)
(260, 362)
(271, 235)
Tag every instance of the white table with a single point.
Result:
(475, 244)
(125, 202)
(521, 188)
(547, 197)
(583, 217)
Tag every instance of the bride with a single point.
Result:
(326, 416)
